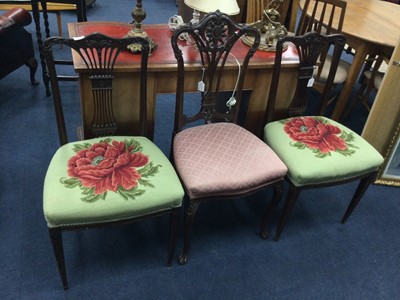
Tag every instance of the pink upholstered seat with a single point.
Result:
(224, 159)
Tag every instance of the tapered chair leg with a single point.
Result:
(56, 240)
(276, 197)
(361, 188)
(173, 234)
(190, 212)
(291, 198)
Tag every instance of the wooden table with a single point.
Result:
(162, 76)
(370, 26)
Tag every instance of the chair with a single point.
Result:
(323, 18)
(81, 17)
(108, 179)
(370, 81)
(214, 157)
(318, 151)
(16, 46)
(327, 17)
(371, 78)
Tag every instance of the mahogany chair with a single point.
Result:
(370, 81)
(327, 17)
(318, 151)
(324, 17)
(42, 10)
(108, 179)
(214, 157)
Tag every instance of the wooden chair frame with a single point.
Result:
(213, 38)
(309, 48)
(327, 18)
(101, 74)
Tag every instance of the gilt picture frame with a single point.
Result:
(389, 172)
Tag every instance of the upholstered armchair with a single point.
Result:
(16, 46)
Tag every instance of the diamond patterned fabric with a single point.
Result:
(224, 159)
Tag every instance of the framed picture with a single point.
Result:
(389, 173)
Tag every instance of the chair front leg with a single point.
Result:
(361, 188)
(173, 234)
(190, 211)
(56, 241)
(276, 197)
(291, 199)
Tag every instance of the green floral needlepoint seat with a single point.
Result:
(108, 179)
(319, 150)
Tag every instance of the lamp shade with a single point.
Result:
(230, 7)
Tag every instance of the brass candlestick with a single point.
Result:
(138, 15)
(269, 26)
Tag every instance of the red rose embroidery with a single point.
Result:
(315, 134)
(105, 167)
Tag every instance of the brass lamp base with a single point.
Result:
(265, 45)
(138, 15)
(270, 28)
(137, 48)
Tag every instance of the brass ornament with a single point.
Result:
(269, 26)
(138, 15)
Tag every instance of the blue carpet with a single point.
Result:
(316, 258)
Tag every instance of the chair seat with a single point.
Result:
(108, 179)
(232, 161)
(341, 72)
(318, 150)
(377, 79)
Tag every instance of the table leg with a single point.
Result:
(352, 75)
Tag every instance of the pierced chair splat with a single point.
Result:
(215, 157)
(107, 179)
(318, 151)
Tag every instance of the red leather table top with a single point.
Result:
(163, 55)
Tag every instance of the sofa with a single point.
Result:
(16, 46)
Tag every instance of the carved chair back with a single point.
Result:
(327, 16)
(213, 38)
(309, 48)
(99, 53)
